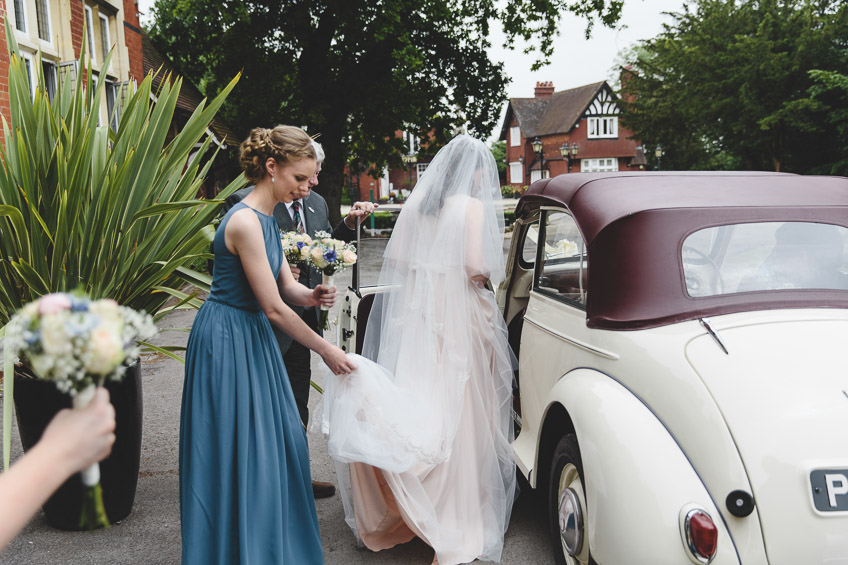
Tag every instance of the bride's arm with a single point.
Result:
(474, 264)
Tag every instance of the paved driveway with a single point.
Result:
(151, 533)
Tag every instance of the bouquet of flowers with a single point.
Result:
(78, 343)
(329, 256)
(296, 247)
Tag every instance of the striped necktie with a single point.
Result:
(298, 222)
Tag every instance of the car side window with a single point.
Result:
(765, 256)
(530, 244)
(563, 266)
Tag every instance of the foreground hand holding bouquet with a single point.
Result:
(329, 256)
(78, 344)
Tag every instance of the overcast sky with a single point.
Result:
(576, 61)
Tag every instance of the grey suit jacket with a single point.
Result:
(317, 217)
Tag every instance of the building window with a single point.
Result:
(89, 31)
(603, 127)
(42, 16)
(30, 69)
(105, 43)
(420, 168)
(516, 173)
(49, 71)
(111, 97)
(20, 15)
(538, 175)
(599, 165)
(515, 136)
(95, 80)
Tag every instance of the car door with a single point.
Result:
(554, 337)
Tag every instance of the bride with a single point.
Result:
(421, 431)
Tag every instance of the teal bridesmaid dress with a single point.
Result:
(245, 486)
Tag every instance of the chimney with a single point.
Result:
(544, 89)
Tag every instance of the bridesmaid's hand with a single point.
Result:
(295, 272)
(325, 295)
(336, 359)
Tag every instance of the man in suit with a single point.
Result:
(309, 214)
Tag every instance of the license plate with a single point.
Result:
(830, 490)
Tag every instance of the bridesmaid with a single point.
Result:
(245, 485)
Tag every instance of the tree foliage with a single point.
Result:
(499, 153)
(356, 71)
(744, 84)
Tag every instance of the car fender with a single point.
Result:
(636, 477)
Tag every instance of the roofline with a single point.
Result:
(583, 111)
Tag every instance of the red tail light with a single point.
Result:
(701, 535)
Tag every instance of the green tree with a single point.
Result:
(831, 88)
(728, 85)
(499, 152)
(357, 71)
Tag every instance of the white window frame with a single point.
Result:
(45, 4)
(516, 169)
(113, 115)
(538, 174)
(420, 168)
(89, 28)
(23, 22)
(54, 73)
(104, 27)
(95, 79)
(602, 165)
(514, 136)
(32, 72)
(602, 127)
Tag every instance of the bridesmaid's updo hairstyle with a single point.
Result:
(285, 144)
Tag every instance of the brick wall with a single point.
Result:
(5, 110)
(132, 33)
(77, 26)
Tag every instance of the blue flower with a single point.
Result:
(300, 245)
(31, 338)
(330, 256)
(80, 325)
(78, 304)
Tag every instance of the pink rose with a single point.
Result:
(53, 303)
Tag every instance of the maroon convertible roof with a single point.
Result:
(634, 225)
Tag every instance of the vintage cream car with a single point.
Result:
(682, 392)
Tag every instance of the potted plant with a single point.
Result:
(111, 214)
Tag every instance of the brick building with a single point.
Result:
(55, 28)
(584, 120)
(399, 181)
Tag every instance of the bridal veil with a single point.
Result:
(429, 403)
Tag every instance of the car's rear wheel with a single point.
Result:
(567, 504)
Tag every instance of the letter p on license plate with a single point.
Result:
(830, 490)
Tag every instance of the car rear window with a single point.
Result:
(765, 256)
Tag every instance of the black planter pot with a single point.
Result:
(37, 401)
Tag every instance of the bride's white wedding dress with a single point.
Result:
(422, 429)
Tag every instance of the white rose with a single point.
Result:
(318, 257)
(106, 352)
(349, 257)
(567, 247)
(108, 314)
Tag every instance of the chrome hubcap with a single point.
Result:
(570, 512)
